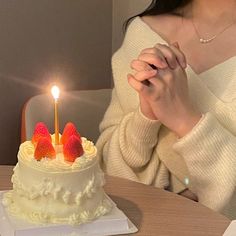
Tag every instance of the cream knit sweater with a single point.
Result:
(134, 147)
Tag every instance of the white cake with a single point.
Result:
(55, 190)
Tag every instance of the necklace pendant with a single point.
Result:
(202, 40)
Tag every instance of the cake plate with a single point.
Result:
(114, 223)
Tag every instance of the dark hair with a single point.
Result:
(158, 7)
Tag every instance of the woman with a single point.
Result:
(172, 116)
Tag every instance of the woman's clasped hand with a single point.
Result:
(161, 82)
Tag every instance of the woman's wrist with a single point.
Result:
(148, 114)
(146, 110)
(187, 124)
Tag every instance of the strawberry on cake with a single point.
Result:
(57, 183)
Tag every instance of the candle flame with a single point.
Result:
(55, 92)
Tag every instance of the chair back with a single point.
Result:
(85, 108)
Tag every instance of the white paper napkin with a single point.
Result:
(231, 230)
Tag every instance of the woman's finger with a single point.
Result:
(159, 86)
(158, 54)
(153, 60)
(140, 65)
(137, 85)
(169, 55)
(145, 74)
(179, 55)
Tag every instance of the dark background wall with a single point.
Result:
(43, 41)
(122, 10)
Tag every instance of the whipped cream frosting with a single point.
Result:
(57, 191)
(26, 154)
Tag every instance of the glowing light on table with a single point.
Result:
(55, 93)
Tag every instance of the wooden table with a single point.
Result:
(154, 211)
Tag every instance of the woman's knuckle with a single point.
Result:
(161, 88)
(169, 74)
(156, 60)
(143, 51)
(157, 45)
(133, 63)
(171, 55)
(153, 50)
(141, 88)
(169, 79)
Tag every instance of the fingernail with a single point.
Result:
(164, 64)
(153, 72)
(173, 64)
(184, 64)
(129, 76)
(176, 44)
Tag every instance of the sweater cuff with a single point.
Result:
(196, 136)
(194, 145)
(144, 129)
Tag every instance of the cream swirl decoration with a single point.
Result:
(26, 154)
(103, 208)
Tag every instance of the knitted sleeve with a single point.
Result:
(210, 153)
(126, 146)
(128, 139)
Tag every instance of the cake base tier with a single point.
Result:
(114, 223)
(69, 197)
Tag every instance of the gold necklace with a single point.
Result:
(208, 40)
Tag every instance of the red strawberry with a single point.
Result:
(40, 131)
(73, 149)
(44, 148)
(68, 131)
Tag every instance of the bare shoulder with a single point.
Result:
(166, 25)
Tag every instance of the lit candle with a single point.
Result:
(55, 93)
